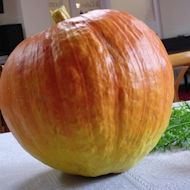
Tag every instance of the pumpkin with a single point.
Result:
(91, 95)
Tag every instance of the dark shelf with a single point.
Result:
(10, 36)
(178, 44)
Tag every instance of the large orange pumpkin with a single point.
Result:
(91, 95)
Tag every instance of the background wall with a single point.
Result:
(175, 16)
(32, 14)
(36, 16)
(12, 12)
(142, 9)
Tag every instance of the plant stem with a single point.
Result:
(60, 14)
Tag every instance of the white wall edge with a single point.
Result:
(156, 6)
(105, 4)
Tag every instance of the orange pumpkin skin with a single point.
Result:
(90, 96)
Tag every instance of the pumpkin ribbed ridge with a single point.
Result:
(92, 95)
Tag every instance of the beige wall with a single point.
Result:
(12, 12)
(36, 16)
(142, 9)
(175, 16)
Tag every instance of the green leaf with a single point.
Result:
(177, 134)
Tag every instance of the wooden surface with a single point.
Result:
(180, 60)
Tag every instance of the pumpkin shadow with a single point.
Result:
(56, 180)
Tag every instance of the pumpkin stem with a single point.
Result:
(60, 14)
